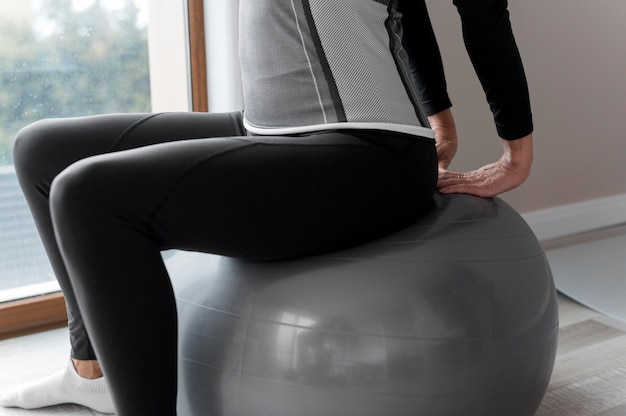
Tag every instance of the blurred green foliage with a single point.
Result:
(64, 62)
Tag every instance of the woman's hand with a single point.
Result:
(508, 172)
(446, 139)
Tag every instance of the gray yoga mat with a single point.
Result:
(593, 272)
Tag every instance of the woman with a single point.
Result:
(333, 149)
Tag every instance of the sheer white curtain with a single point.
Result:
(167, 42)
(223, 76)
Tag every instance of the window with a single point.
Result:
(62, 58)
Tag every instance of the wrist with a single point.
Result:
(442, 119)
(518, 154)
(520, 150)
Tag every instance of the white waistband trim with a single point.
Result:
(399, 128)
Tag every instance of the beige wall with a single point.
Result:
(574, 52)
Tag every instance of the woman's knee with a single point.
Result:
(77, 192)
(32, 146)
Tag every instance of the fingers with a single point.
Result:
(484, 191)
(456, 182)
(449, 178)
(445, 154)
(486, 182)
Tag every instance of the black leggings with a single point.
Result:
(108, 193)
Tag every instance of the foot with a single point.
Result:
(66, 386)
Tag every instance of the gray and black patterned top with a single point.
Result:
(313, 65)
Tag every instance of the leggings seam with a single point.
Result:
(130, 128)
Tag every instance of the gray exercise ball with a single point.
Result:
(454, 315)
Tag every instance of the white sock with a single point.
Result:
(66, 386)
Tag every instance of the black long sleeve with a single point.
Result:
(494, 54)
(426, 65)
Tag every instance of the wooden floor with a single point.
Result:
(589, 376)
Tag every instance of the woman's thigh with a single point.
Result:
(262, 198)
(43, 149)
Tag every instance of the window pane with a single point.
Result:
(60, 58)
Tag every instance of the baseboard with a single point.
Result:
(577, 218)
